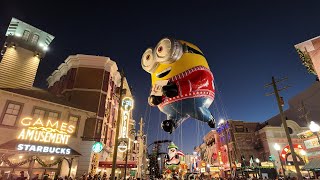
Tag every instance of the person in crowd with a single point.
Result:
(36, 177)
(21, 177)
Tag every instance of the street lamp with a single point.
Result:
(135, 140)
(276, 146)
(315, 128)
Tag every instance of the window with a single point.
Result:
(11, 113)
(25, 35)
(290, 130)
(35, 39)
(38, 114)
(74, 120)
(239, 129)
(53, 116)
(45, 114)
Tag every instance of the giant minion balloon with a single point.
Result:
(182, 83)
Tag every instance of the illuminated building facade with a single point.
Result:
(93, 83)
(22, 52)
(53, 132)
(257, 140)
(210, 153)
(41, 133)
(309, 54)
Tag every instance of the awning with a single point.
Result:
(313, 164)
(119, 164)
(20, 146)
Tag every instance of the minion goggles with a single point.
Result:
(167, 51)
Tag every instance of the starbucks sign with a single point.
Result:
(97, 147)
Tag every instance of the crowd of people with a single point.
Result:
(104, 176)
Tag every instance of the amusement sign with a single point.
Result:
(51, 132)
(127, 106)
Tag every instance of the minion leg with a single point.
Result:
(203, 114)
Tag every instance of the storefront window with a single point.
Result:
(11, 114)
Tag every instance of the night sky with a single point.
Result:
(245, 43)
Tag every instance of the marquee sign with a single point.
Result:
(311, 143)
(286, 150)
(55, 132)
(305, 134)
(127, 106)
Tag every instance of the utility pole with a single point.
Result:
(141, 149)
(305, 112)
(115, 149)
(284, 122)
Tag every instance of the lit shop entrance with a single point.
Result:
(17, 156)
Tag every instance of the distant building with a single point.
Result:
(243, 141)
(24, 47)
(210, 153)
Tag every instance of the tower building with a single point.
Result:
(23, 49)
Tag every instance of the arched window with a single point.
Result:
(290, 130)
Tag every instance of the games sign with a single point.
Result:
(36, 130)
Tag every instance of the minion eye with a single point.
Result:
(163, 48)
(168, 51)
(147, 61)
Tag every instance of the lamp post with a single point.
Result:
(115, 149)
(277, 148)
(132, 131)
(258, 164)
(315, 128)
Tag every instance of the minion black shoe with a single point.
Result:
(212, 123)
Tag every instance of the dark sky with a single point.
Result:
(245, 43)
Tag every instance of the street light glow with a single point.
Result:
(276, 147)
(303, 152)
(257, 160)
(314, 127)
(221, 121)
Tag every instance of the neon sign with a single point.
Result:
(50, 131)
(43, 149)
(127, 106)
(286, 150)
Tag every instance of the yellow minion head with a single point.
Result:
(171, 57)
